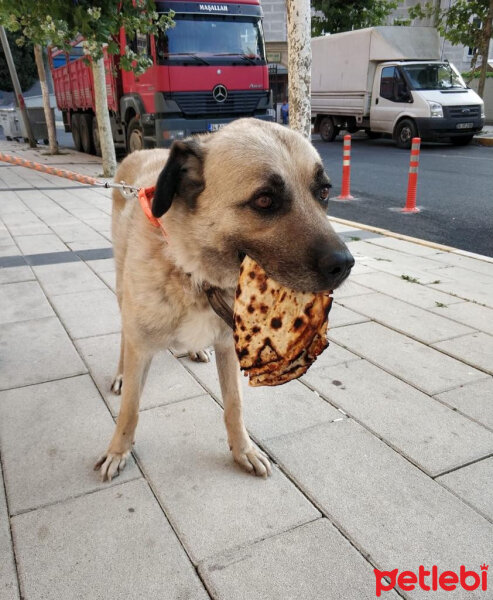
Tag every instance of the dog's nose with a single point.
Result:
(336, 266)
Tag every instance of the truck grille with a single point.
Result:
(462, 112)
(203, 103)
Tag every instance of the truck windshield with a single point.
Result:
(438, 76)
(212, 39)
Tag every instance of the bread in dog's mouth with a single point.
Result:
(278, 332)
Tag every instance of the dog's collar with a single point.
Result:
(146, 196)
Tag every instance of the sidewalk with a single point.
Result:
(383, 452)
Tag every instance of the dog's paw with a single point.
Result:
(254, 461)
(110, 464)
(116, 386)
(200, 356)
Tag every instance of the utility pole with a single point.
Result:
(19, 98)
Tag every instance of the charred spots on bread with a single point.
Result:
(276, 323)
(298, 322)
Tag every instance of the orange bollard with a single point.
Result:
(346, 170)
(413, 178)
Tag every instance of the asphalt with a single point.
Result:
(382, 453)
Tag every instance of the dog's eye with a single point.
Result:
(263, 202)
(324, 193)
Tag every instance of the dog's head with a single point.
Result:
(252, 188)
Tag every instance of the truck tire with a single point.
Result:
(404, 133)
(86, 133)
(462, 140)
(75, 126)
(135, 135)
(95, 137)
(328, 131)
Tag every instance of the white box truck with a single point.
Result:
(391, 80)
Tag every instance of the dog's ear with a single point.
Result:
(182, 176)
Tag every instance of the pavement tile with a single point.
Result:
(465, 284)
(36, 351)
(351, 288)
(474, 400)
(476, 349)
(23, 301)
(471, 314)
(428, 433)
(8, 578)
(466, 262)
(9, 250)
(312, 562)
(109, 545)
(213, 505)
(167, 382)
(68, 277)
(415, 294)
(51, 435)
(96, 242)
(340, 316)
(424, 367)
(15, 274)
(86, 314)
(473, 484)
(109, 277)
(333, 355)
(39, 244)
(389, 509)
(102, 266)
(406, 318)
(404, 246)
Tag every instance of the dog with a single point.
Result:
(253, 187)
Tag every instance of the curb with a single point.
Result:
(484, 141)
(408, 238)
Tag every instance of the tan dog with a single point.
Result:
(252, 188)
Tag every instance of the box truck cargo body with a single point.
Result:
(391, 80)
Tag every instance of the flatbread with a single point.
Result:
(278, 332)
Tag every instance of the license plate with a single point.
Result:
(464, 125)
(217, 126)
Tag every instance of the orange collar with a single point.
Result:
(146, 196)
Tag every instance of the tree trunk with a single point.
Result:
(50, 122)
(485, 49)
(299, 65)
(103, 118)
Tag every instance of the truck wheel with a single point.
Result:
(86, 133)
(404, 132)
(95, 137)
(75, 125)
(328, 131)
(463, 140)
(135, 135)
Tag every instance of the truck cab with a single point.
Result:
(425, 98)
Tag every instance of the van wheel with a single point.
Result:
(95, 137)
(404, 132)
(463, 140)
(135, 135)
(75, 126)
(86, 133)
(328, 131)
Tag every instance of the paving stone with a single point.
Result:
(465, 284)
(473, 484)
(340, 316)
(39, 244)
(213, 505)
(406, 318)
(109, 277)
(475, 349)
(108, 545)
(36, 351)
(424, 367)
(389, 509)
(66, 278)
(9, 250)
(333, 355)
(415, 294)
(405, 246)
(51, 436)
(86, 314)
(466, 262)
(23, 301)
(15, 274)
(167, 382)
(8, 578)
(102, 266)
(297, 565)
(427, 432)
(468, 313)
(96, 242)
(474, 400)
(350, 288)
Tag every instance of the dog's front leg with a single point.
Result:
(244, 452)
(135, 368)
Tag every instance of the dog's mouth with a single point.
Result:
(241, 256)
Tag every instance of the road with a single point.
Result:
(455, 190)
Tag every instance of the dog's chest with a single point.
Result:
(197, 330)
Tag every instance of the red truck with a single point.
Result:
(207, 70)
